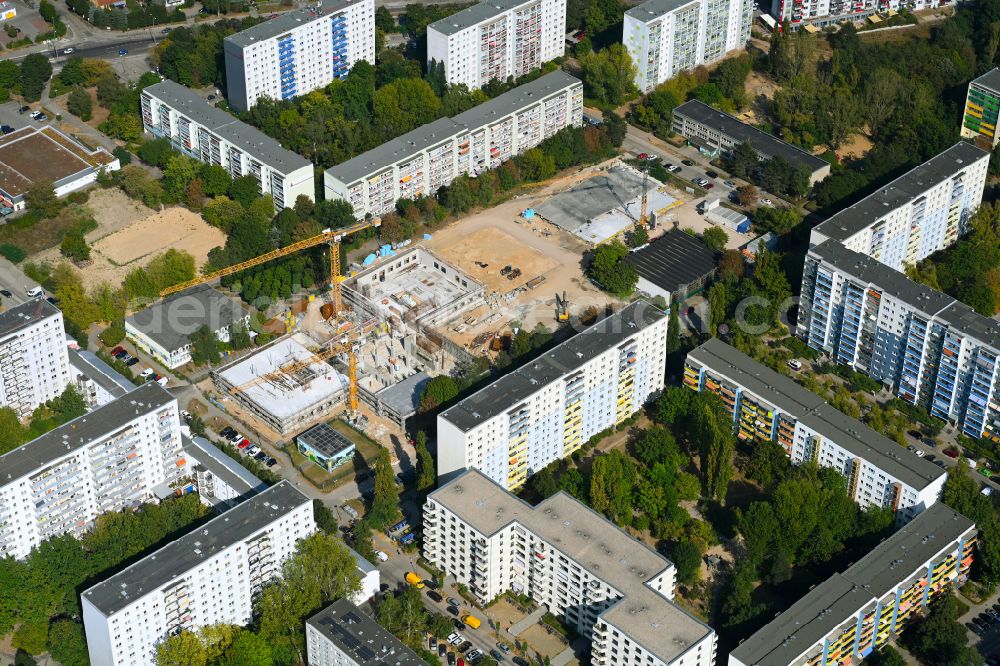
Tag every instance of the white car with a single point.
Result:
(920, 454)
(766, 202)
(986, 491)
(146, 373)
(253, 450)
(185, 414)
(381, 556)
(794, 364)
(673, 168)
(456, 638)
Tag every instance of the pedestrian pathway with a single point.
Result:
(563, 657)
(531, 619)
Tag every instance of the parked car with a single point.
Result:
(379, 554)
(236, 437)
(708, 186)
(939, 463)
(6, 129)
(132, 361)
(920, 453)
(520, 661)
(117, 350)
(985, 472)
(764, 201)
(442, 649)
(451, 659)
(452, 610)
(41, 117)
(795, 364)
(951, 454)
(643, 156)
(687, 162)
(454, 637)
(123, 52)
(711, 174)
(6, 294)
(227, 432)
(34, 114)
(253, 450)
(435, 597)
(465, 646)
(261, 457)
(68, 51)
(475, 655)
(496, 654)
(453, 601)
(503, 646)
(244, 444)
(673, 168)
(165, 31)
(271, 462)
(986, 491)
(432, 642)
(24, 109)
(210, 98)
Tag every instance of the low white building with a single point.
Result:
(163, 330)
(548, 408)
(34, 365)
(96, 381)
(424, 160)
(603, 584)
(221, 482)
(666, 37)
(343, 635)
(212, 136)
(113, 458)
(766, 405)
(208, 576)
(298, 51)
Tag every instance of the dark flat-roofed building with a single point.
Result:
(343, 635)
(325, 446)
(675, 266)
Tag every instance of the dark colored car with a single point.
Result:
(6, 294)
(53, 300)
(687, 162)
(453, 610)
(497, 654)
(435, 596)
(442, 648)
(451, 659)
(271, 462)
(711, 174)
(432, 642)
(123, 52)
(132, 361)
(520, 661)
(465, 646)
(120, 355)
(261, 456)
(24, 109)
(6, 129)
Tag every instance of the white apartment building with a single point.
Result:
(212, 136)
(298, 51)
(766, 405)
(914, 216)
(666, 37)
(822, 13)
(497, 39)
(548, 408)
(34, 366)
(209, 576)
(110, 459)
(343, 635)
(611, 589)
(426, 159)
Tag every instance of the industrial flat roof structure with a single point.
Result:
(673, 261)
(809, 408)
(740, 132)
(990, 79)
(911, 185)
(287, 22)
(80, 432)
(32, 154)
(828, 605)
(178, 557)
(218, 463)
(326, 440)
(365, 641)
(654, 9)
(503, 394)
(593, 542)
(170, 322)
(25, 314)
(248, 139)
(404, 397)
(474, 15)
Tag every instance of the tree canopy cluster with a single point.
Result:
(610, 270)
(129, 17)
(776, 175)
(59, 410)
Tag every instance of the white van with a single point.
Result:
(35, 292)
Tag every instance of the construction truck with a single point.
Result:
(562, 308)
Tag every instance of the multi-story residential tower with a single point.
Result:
(666, 37)
(923, 211)
(426, 159)
(34, 365)
(766, 405)
(982, 109)
(546, 409)
(851, 614)
(821, 13)
(607, 586)
(213, 136)
(298, 51)
(343, 635)
(497, 39)
(931, 349)
(107, 460)
(209, 576)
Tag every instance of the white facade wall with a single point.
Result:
(34, 365)
(318, 47)
(122, 462)
(666, 38)
(220, 589)
(172, 358)
(824, 12)
(497, 40)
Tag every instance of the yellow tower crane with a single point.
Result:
(329, 237)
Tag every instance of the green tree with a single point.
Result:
(437, 391)
(610, 270)
(609, 75)
(385, 504)
(182, 649)
(674, 405)
(72, 72)
(939, 638)
(12, 433)
(715, 238)
(204, 346)
(711, 428)
(686, 556)
(244, 190)
(426, 473)
(74, 246)
(886, 655)
(544, 483)
(41, 197)
(67, 644)
(79, 103)
(239, 338)
(178, 173)
(36, 70)
(248, 649)
(215, 179)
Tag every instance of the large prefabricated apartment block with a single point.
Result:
(298, 51)
(546, 409)
(982, 109)
(497, 39)
(766, 405)
(34, 365)
(426, 159)
(212, 136)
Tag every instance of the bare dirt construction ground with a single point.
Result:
(497, 248)
(505, 614)
(856, 147)
(541, 642)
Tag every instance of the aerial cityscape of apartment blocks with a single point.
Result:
(766, 405)
(209, 576)
(34, 365)
(548, 408)
(666, 37)
(426, 159)
(843, 619)
(113, 458)
(212, 136)
(914, 216)
(298, 51)
(932, 350)
(982, 109)
(343, 635)
(597, 579)
(497, 39)
(821, 13)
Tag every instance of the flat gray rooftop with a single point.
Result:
(404, 397)
(990, 79)
(809, 408)
(25, 314)
(673, 261)
(599, 194)
(474, 15)
(218, 463)
(593, 542)
(181, 556)
(171, 322)
(287, 22)
(902, 556)
(740, 132)
(437, 132)
(80, 432)
(248, 139)
(506, 392)
(362, 639)
(654, 9)
(900, 192)
(100, 372)
(326, 440)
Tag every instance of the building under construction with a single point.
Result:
(284, 385)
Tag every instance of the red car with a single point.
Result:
(710, 186)
(117, 350)
(244, 444)
(951, 454)
(643, 156)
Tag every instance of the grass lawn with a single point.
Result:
(367, 448)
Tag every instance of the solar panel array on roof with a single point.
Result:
(361, 638)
